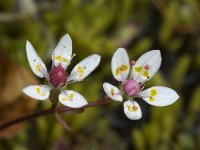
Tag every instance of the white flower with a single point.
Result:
(58, 78)
(142, 70)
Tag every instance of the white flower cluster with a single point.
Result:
(132, 79)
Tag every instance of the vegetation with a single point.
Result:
(100, 26)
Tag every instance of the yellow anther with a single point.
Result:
(80, 71)
(69, 97)
(129, 107)
(146, 74)
(138, 69)
(38, 68)
(64, 60)
(153, 92)
(132, 109)
(58, 58)
(64, 99)
(117, 72)
(38, 90)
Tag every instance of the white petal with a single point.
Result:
(132, 110)
(120, 64)
(63, 52)
(37, 65)
(84, 68)
(39, 92)
(159, 96)
(112, 91)
(72, 99)
(146, 66)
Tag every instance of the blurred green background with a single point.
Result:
(100, 26)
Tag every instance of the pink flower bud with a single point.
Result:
(58, 76)
(131, 87)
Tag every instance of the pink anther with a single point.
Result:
(135, 108)
(133, 62)
(146, 67)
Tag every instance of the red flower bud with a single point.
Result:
(58, 76)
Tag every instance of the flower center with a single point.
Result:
(131, 87)
(58, 76)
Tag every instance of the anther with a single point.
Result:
(112, 92)
(134, 108)
(133, 62)
(146, 67)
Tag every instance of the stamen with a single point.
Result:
(153, 92)
(151, 99)
(69, 96)
(39, 67)
(124, 67)
(73, 55)
(138, 69)
(58, 58)
(134, 108)
(38, 90)
(146, 67)
(112, 91)
(133, 62)
(117, 72)
(80, 71)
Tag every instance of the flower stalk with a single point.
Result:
(54, 98)
(57, 110)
